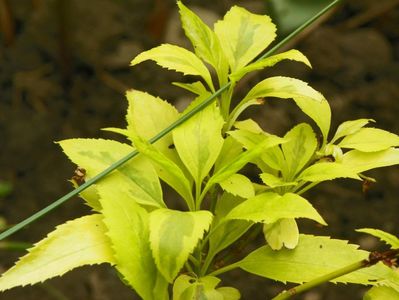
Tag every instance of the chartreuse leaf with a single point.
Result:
(244, 158)
(327, 171)
(370, 140)
(244, 35)
(73, 244)
(270, 207)
(249, 125)
(269, 62)
(224, 233)
(147, 116)
(230, 150)
(362, 161)
(195, 87)
(167, 170)
(138, 176)
(199, 141)
(298, 150)
(316, 256)
(175, 58)
(388, 238)
(204, 288)
(310, 101)
(283, 232)
(350, 127)
(274, 181)
(381, 293)
(270, 158)
(238, 185)
(174, 235)
(205, 42)
(128, 229)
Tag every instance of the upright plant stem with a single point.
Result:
(161, 134)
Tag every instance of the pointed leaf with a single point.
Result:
(249, 125)
(316, 256)
(128, 229)
(327, 171)
(298, 150)
(309, 100)
(147, 116)
(73, 244)
(230, 151)
(199, 141)
(362, 161)
(244, 35)
(138, 175)
(244, 158)
(381, 293)
(229, 293)
(175, 58)
(269, 62)
(270, 207)
(283, 232)
(204, 288)
(205, 42)
(238, 185)
(350, 127)
(274, 181)
(195, 87)
(223, 233)
(370, 140)
(174, 235)
(386, 237)
(167, 170)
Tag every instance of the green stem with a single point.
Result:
(306, 188)
(320, 280)
(225, 269)
(161, 134)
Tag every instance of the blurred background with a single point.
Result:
(64, 68)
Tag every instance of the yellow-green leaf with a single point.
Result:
(274, 181)
(175, 58)
(174, 235)
(388, 238)
(381, 293)
(270, 207)
(73, 244)
(244, 35)
(362, 161)
(147, 116)
(138, 175)
(370, 140)
(310, 101)
(327, 171)
(298, 150)
(269, 62)
(238, 185)
(128, 229)
(350, 127)
(206, 44)
(316, 256)
(199, 141)
(167, 170)
(283, 232)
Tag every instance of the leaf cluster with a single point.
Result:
(153, 245)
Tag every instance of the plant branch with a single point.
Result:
(161, 134)
(373, 258)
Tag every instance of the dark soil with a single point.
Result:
(64, 73)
